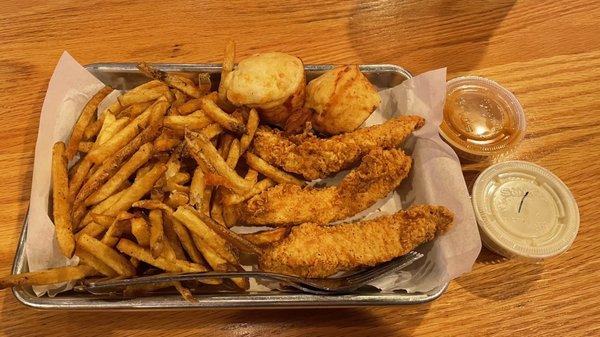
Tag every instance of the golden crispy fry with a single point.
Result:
(107, 121)
(224, 119)
(180, 98)
(110, 166)
(78, 213)
(134, 110)
(49, 276)
(185, 292)
(79, 177)
(92, 229)
(233, 199)
(216, 211)
(166, 141)
(137, 190)
(224, 144)
(180, 178)
(194, 122)
(197, 187)
(128, 133)
(111, 130)
(266, 237)
(175, 266)
(85, 147)
(173, 80)
(102, 207)
(141, 231)
(87, 258)
(204, 83)
(177, 198)
(251, 127)
(252, 176)
(172, 240)
(120, 226)
(187, 216)
(270, 171)
(102, 219)
(234, 154)
(189, 106)
(136, 161)
(206, 198)
(157, 233)
(185, 239)
(63, 225)
(141, 95)
(86, 116)
(200, 144)
(212, 131)
(107, 255)
(92, 129)
(227, 67)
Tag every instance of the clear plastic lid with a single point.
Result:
(481, 118)
(525, 211)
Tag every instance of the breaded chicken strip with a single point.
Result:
(380, 172)
(311, 250)
(315, 158)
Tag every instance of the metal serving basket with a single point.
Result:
(126, 76)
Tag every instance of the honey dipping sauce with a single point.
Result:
(481, 118)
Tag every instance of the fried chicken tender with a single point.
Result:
(380, 172)
(311, 250)
(316, 158)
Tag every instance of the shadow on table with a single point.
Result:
(431, 34)
(508, 278)
(297, 322)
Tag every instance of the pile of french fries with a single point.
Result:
(151, 166)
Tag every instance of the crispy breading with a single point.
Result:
(315, 158)
(380, 172)
(312, 250)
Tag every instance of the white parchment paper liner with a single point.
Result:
(436, 177)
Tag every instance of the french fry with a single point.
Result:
(270, 171)
(137, 190)
(251, 127)
(180, 98)
(206, 198)
(141, 95)
(180, 178)
(251, 176)
(192, 122)
(204, 83)
(227, 67)
(233, 199)
(157, 233)
(136, 161)
(215, 261)
(190, 106)
(92, 129)
(110, 130)
(110, 166)
(78, 213)
(107, 255)
(49, 276)
(88, 259)
(216, 211)
(134, 110)
(128, 133)
(86, 116)
(166, 141)
(185, 239)
(224, 144)
(102, 219)
(78, 178)
(85, 147)
(102, 207)
(141, 231)
(173, 80)
(224, 119)
(234, 154)
(188, 218)
(184, 292)
(200, 144)
(63, 225)
(177, 198)
(92, 229)
(128, 247)
(267, 237)
(197, 187)
(120, 226)
(134, 262)
(108, 119)
(212, 131)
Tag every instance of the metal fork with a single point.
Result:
(320, 286)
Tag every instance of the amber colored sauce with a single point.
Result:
(479, 121)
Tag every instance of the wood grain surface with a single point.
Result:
(547, 52)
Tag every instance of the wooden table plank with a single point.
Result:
(548, 53)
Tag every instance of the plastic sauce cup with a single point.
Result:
(482, 119)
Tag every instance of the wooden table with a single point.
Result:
(547, 53)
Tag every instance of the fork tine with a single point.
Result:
(377, 272)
